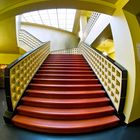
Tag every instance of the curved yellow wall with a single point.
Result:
(9, 51)
(135, 33)
(8, 43)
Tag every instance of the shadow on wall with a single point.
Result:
(104, 43)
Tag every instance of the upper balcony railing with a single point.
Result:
(27, 41)
(94, 17)
(67, 51)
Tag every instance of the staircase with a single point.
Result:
(65, 97)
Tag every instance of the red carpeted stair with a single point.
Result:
(65, 97)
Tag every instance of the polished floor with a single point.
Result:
(8, 132)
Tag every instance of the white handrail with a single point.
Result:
(27, 41)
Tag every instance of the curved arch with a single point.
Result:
(20, 6)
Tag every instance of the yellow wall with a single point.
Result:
(9, 51)
(8, 58)
(8, 43)
(135, 33)
(108, 47)
(21, 51)
(125, 56)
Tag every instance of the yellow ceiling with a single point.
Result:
(133, 6)
(14, 7)
(111, 1)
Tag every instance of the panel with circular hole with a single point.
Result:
(22, 73)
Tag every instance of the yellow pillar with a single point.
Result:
(9, 50)
(125, 30)
(135, 34)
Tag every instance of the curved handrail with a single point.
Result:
(28, 39)
(31, 35)
(27, 44)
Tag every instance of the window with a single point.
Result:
(59, 18)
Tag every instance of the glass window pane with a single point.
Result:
(60, 18)
(23, 19)
(71, 11)
(52, 11)
(42, 12)
(61, 11)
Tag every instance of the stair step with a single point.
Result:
(65, 55)
(64, 65)
(65, 87)
(65, 58)
(65, 62)
(65, 103)
(65, 114)
(64, 72)
(65, 126)
(64, 68)
(66, 76)
(65, 94)
(64, 81)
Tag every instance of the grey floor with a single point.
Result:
(8, 132)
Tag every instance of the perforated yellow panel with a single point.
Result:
(109, 75)
(22, 73)
(67, 51)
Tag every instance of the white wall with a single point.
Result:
(18, 26)
(59, 39)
